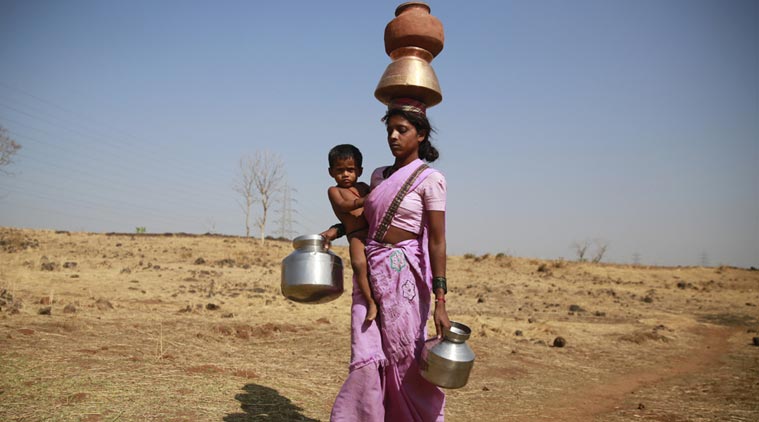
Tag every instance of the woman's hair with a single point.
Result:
(427, 152)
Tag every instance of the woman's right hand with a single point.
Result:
(440, 316)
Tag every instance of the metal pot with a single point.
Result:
(409, 75)
(312, 273)
(447, 362)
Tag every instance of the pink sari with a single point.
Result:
(384, 382)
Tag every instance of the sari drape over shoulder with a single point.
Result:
(384, 382)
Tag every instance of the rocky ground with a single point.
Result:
(174, 327)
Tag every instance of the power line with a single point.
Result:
(119, 149)
(95, 159)
(146, 153)
(69, 164)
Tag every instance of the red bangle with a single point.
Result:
(440, 299)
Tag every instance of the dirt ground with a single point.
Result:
(174, 327)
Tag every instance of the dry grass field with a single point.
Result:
(121, 327)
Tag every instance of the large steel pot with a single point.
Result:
(312, 273)
(447, 362)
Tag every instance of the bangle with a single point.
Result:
(440, 299)
(340, 229)
(439, 283)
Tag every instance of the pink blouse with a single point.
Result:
(429, 195)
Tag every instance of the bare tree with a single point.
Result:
(244, 186)
(601, 247)
(8, 147)
(210, 224)
(260, 179)
(581, 248)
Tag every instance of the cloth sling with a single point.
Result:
(379, 236)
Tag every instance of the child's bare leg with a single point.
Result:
(358, 262)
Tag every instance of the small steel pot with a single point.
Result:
(447, 362)
(312, 273)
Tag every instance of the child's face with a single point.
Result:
(345, 172)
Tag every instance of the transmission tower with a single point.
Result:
(636, 258)
(286, 213)
(704, 259)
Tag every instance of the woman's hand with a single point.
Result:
(440, 316)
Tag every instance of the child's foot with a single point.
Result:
(371, 311)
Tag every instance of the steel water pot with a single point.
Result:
(312, 273)
(447, 362)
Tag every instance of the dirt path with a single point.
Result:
(591, 401)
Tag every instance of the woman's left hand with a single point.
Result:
(440, 316)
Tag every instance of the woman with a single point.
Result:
(406, 254)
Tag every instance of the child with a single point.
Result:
(347, 199)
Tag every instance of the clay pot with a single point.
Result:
(414, 26)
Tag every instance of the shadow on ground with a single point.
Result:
(261, 403)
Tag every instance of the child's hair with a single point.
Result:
(344, 151)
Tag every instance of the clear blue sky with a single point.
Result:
(634, 122)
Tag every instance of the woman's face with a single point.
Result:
(403, 138)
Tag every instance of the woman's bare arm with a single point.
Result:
(438, 256)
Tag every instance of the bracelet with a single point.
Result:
(440, 299)
(340, 229)
(439, 283)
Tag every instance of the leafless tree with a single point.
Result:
(601, 247)
(210, 224)
(260, 179)
(581, 248)
(8, 147)
(244, 186)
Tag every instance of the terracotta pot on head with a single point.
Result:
(414, 26)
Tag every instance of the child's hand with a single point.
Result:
(329, 235)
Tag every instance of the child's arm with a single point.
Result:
(342, 204)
